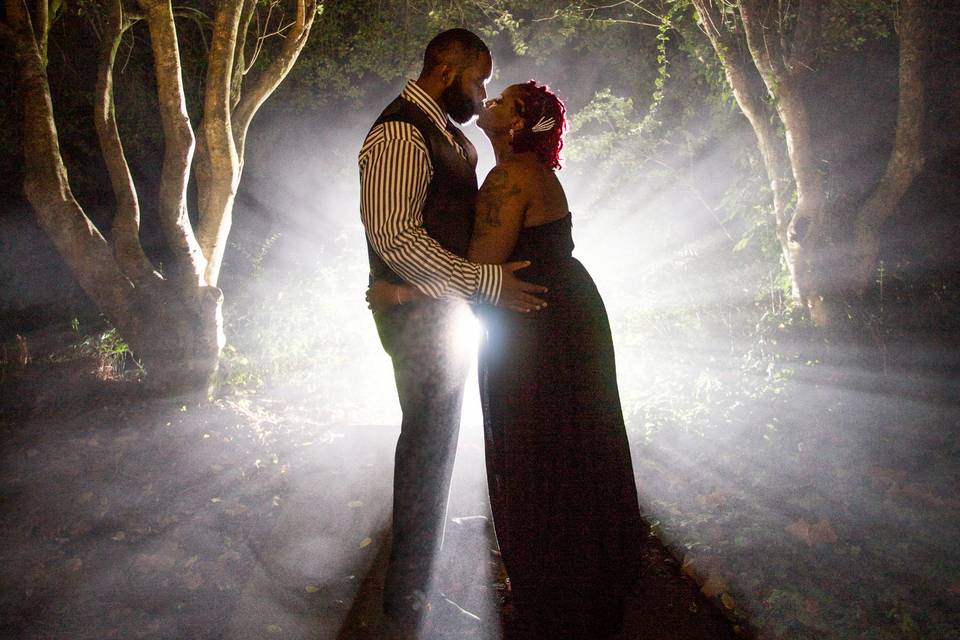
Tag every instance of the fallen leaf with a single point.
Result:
(192, 581)
(799, 529)
(727, 601)
(812, 534)
(355, 504)
(214, 499)
(274, 628)
(311, 588)
(712, 500)
(120, 535)
(823, 533)
(713, 586)
(811, 606)
(229, 555)
(366, 542)
(885, 475)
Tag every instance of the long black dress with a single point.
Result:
(558, 463)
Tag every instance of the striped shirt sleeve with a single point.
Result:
(395, 170)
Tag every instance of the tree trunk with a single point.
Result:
(748, 91)
(907, 157)
(174, 325)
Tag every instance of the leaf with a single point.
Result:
(120, 535)
(712, 500)
(355, 504)
(823, 533)
(366, 542)
(812, 534)
(311, 588)
(192, 580)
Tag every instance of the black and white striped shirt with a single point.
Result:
(395, 170)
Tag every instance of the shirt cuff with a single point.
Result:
(489, 285)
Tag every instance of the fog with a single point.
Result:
(809, 490)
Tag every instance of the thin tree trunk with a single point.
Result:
(84, 249)
(178, 149)
(218, 166)
(125, 231)
(738, 72)
(228, 111)
(907, 157)
(782, 66)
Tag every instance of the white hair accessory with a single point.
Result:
(545, 124)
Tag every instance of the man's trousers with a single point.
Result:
(430, 366)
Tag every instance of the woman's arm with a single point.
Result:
(500, 211)
(501, 205)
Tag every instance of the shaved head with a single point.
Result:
(457, 47)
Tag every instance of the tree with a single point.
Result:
(779, 44)
(172, 321)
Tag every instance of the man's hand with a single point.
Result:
(515, 293)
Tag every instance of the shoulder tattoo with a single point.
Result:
(496, 191)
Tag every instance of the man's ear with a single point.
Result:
(446, 73)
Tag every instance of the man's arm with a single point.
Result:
(394, 173)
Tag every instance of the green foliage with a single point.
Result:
(100, 344)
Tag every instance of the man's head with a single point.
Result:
(456, 67)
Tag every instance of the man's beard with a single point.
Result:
(458, 104)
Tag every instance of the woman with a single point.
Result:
(558, 464)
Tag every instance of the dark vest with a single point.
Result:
(448, 210)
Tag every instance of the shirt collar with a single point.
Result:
(419, 97)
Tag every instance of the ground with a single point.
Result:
(246, 517)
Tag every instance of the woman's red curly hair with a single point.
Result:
(534, 103)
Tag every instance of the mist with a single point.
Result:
(805, 485)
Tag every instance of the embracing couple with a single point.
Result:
(559, 472)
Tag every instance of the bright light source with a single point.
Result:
(466, 331)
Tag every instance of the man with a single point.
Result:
(418, 185)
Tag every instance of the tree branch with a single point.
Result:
(178, 147)
(806, 37)
(239, 58)
(43, 25)
(125, 231)
(269, 78)
(760, 23)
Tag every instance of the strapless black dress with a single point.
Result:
(560, 477)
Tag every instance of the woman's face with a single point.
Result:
(499, 114)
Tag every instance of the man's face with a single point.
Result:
(464, 98)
